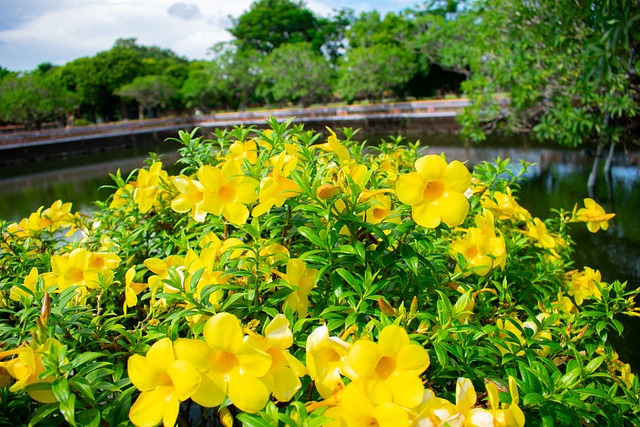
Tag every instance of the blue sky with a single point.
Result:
(59, 31)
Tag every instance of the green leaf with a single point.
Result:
(570, 379)
(89, 418)
(83, 386)
(594, 364)
(43, 412)
(312, 236)
(531, 399)
(60, 387)
(68, 409)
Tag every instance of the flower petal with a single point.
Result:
(426, 214)
(185, 377)
(151, 406)
(454, 208)
(223, 331)
(413, 358)
(431, 167)
(410, 188)
(248, 393)
(364, 357)
(457, 177)
(235, 212)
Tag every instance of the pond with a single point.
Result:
(557, 180)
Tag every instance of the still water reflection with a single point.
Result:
(557, 180)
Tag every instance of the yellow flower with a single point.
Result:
(393, 366)
(594, 215)
(538, 231)
(131, 290)
(26, 368)
(301, 279)
(505, 206)
(283, 375)
(380, 209)
(227, 191)
(466, 398)
(360, 408)
(334, 146)
(191, 197)
(583, 284)
(164, 381)
(149, 186)
(16, 293)
(326, 361)
(277, 188)
(239, 151)
(56, 216)
(232, 365)
(435, 191)
(505, 415)
(483, 247)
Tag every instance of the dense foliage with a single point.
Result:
(282, 277)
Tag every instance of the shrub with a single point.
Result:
(283, 279)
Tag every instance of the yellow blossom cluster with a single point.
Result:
(245, 367)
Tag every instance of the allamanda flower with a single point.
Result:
(326, 361)
(435, 191)
(391, 367)
(164, 381)
(301, 279)
(231, 365)
(594, 215)
(228, 191)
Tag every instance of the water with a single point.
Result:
(558, 180)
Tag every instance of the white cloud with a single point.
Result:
(37, 31)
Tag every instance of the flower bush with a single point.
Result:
(272, 277)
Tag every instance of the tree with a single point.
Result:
(369, 72)
(32, 99)
(569, 69)
(148, 92)
(298, 74)
(271, 23)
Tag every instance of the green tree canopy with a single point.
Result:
(296, 73)
(33, 98)
(368, 72)
(271, 23)
(148, 92)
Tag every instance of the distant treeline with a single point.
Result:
(569, 71)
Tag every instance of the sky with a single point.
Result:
(33, 32)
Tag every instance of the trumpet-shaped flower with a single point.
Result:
(334, 146)
(164, 381)
(240, 151)
(359, 408)
(227, 191)
(283, 377)
(131, 290)
(435, 191)
(505, 415)
(301, 279)
(505, 206)
(391, 367)
(483, 247)
(583, 284)
(594, 215)
(191, 197)
(231, 364)
(26, 368)
(537, 230)
(149, 186)
(326, 361)
(277, 188)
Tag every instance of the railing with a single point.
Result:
(412, 109)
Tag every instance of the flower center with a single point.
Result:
(328, 355)
(433, 190)
(385, 367)
(225, 361)
(227, 193)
